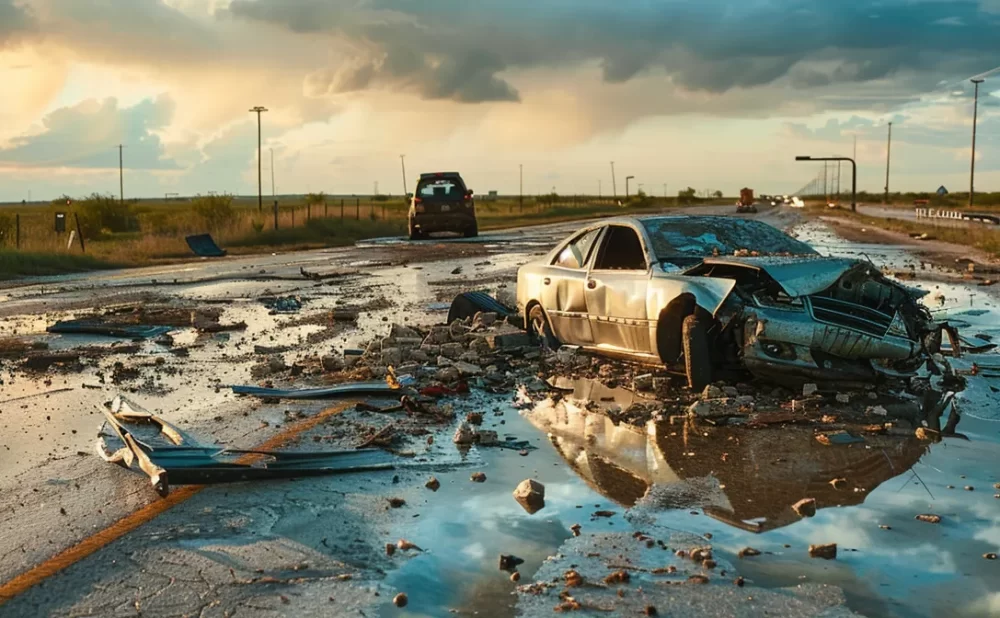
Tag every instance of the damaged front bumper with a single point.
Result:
(132, 436)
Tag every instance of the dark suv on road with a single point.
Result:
(442, 203)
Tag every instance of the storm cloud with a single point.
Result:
(463, 51)
(14, 19)
(85, 136)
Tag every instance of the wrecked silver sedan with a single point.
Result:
(703, 293)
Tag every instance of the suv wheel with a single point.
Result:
(472, 231)
(415, 234)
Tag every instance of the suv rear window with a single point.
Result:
(449, 189)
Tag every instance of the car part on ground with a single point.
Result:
(98, 327)
(468, 304)
(204, 245)
(442, 203)
(765, 301)
(131, 435)
(333, 392)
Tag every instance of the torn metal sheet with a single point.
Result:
(204, 245)
(333, 392)
(97, 327)
(133, 437)
(798, 276)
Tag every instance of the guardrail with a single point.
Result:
(956, 215)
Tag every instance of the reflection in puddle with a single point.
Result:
(746, 478)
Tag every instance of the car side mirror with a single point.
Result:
(470, 192)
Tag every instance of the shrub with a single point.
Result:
(258, 226)
(103, 214)
(7, 228)
(215, 210)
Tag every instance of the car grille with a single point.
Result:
(850, 315)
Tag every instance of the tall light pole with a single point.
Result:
(972, 168)
(628, 178)
(888, 158)
(272, 172)
(854, 174)
(402, 163)
(614, 185)
(260, 194)
(121, 173)
(599, 189)
(520, 186)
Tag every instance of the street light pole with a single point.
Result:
(520, 186)
(260, 192)
(888, 157)
(972, 168)
(614, 184)
(854, 174)
(402, 163)
(627, 178)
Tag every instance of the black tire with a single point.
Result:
(472, 231)
(697, 354)
(539, 327)
(415, 234)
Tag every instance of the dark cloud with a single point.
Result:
(459, 50)
(14, 19)
(85, 136)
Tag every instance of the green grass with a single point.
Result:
(14, 264)
(320, 233)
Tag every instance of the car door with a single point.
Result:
(616, 288)
(563, 289)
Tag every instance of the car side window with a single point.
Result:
(621, 250)
(575, 254)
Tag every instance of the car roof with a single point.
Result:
(440, 175)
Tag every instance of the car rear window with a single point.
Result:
(704, 236)
(440, 189)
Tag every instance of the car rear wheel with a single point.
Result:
(415, 234)
(472, 231)
(538, 326)
(697, 356)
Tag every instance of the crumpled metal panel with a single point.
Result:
(798, 276)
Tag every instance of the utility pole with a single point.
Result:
(855, 157)
(121, 173)
(627, 178)
(826, 187)
(614, 185)
(520, 190)
(272, 172)
(402, 163)
(376, 187)
(260, 194)
(888, 157)
(838, 182)
(664, 189)
(972, 168)
(599, 189)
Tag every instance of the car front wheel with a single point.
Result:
(538, 326)
(697, 356)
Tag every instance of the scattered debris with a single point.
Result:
(400, 600)
(805, 507)
(478, 477)
(106, 329)
(530, 494)
(826, 552)
(748, 552)
(929, 518)
(433, 484)
(334, 392)
(203, 245)
(509, 562)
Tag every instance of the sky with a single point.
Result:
(710, 94)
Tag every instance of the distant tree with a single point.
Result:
(7, 225)
(687, 194)
(718, 195)
(315, 199)
(215, 210)
(101, 214)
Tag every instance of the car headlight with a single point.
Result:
(783, 302)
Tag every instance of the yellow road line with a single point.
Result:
(130, 522)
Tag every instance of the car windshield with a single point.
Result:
(440, 189)
(697, 237)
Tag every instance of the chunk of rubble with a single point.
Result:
(714, 392)
(467, 369)
(826, 552)
(465, 434)
(929, 518)
(484, 319)
(805, 507)
(487, 437)
(808, 390)
(509, 341)
(452, 350)
(643, 382)
(530, 494)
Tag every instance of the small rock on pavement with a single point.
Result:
(332, 363)
(447, 374)
(826, 552)
(509, 562)
(478, 477)
(990, 556)
(643, 382)
(714, 392)
(515, 576)
(400, 600)
(748, 552)
(433, 484)
(809, 390)
(843, 398)
(474, 418)
(929, 518)
(467, 369)
(465, 434)
(805, 507)
(488, 437)
(530, 494)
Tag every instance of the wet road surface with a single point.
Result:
(314, 547)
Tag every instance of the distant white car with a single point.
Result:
(797, 203)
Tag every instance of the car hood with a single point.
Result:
(798, 276)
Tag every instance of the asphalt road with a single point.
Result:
(93, 539)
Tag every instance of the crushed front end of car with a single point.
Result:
(798, 319)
